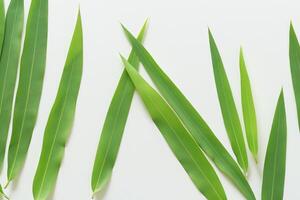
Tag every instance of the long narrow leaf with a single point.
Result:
(29, 90)
(229, 112)
(274, 167)
(248, 108)
(114, 125)
(2, 23)
(178, 138)
(60, 120)
(2, 194)
(198, 128)
(9, 63)
(294, 53)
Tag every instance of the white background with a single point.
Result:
(177, 37)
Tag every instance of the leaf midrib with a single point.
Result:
(27, 96)
(9, 53)
(231, 122)
(178, 138)
(111, 138)
(275, 161)
(56, 132)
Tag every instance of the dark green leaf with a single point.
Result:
(294, 53)
(274, 167)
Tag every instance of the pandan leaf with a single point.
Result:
(275, 161)
(9, 63)
(29, 90)
(198, 128)
(227, 104)
(294, 53)
(60, 120)
(248, 108)
(114, 125)
(178, 138)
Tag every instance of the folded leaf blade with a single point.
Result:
(249, 113)
(227, 104)
(178, 138)
(32, 68)
(114, 125)
(275, 161)
(201, 132)
(9, 63)
(60, 120)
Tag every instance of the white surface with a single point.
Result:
(146, 169)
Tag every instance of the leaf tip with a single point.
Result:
(209, 33)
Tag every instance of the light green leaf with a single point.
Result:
(294, 53)
(9, 63)
(60, 120)
(178, 138)
(274, 167)
(198, 128)
(29, 90)
(2, 194)
(114, 125)
(229, 112)
(248, 108)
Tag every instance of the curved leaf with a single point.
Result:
(198, 128)
(9, 63)
(114, 125)
(274, 167)
(248, 108)
(29, 90)
(229, 112)
(60, 120)
(178, 138)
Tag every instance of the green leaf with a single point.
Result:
(114, 125)
(248, 108)
(198, 128)
(60, 120)
(274, 167)
(29, 90)
(178, 138)
(2, 194)
(2, 23)
(294, 53)
(229, 112)
(9, 63)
